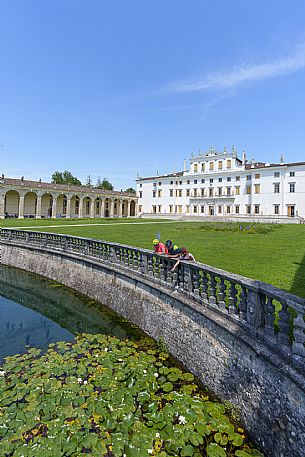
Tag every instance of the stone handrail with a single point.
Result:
(270, 314)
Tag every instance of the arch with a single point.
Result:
(11, 203)
(30, 202)
(116, 207)
(132, 208)
(61, 206)
(75, 206)
(86, 206)
(46, 205)
(98, 207)
(125, 206)
(108, 207)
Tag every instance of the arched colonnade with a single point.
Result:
(38, 205)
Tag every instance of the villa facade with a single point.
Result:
(22, 198)
(221, 184)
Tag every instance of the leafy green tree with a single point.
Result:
(65, 177)
(105, 184)
(89, 181)
(131, 190)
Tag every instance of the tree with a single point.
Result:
(66, 177)
(131, 190)
(89, 181)
(105, 184)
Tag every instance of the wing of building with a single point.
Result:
(221, 184)
(24, 198)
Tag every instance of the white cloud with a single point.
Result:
(245, 73)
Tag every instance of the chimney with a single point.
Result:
(184, 165)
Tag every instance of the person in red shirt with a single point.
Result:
(159, 248)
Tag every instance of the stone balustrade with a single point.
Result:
(267, 313)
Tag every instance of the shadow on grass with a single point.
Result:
(298, 284)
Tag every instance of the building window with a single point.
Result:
(140, 208)
(248, 177)
(276, 174)
(159, 208)
(202, 192)
(220, 191)
(292, 173)
(140, 194)
(248, 209)
(154, 209)
(195, 167)
(228, 191)
(257, 176)
(202, 209)
(180, 183)
(248, 189)
(219, 209)
(236, 209)
(188, 181)
(211, 166)
(154, 193)
(159, 193)
(211, 180)
(220, 165)
(195, 209)
(203, 167)
(257, 188)
(202, 181)
(229, 164)
(237, 190)
(276, 209)
(228, 178)
(188, 193)
(211, 192)
(292, 187)
(187, 209)
(219, 179)
(170, 208)
(160, 183)
(171, 192)
(256, 209)
(276, 188)
(237, 178)
(179, 193)
(140, 185)
(228, 209)
(195, 181)
(172, 182)
(195, 192)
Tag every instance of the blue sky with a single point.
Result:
(119, 87)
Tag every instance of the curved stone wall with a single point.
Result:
(229, 350)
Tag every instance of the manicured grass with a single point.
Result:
(276, 257)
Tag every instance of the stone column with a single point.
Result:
(111, 208)
(54, 207)
(38, 207)
(128, 208)
(80, 209)
(2, 201)
(103, 208)
(68, 209)
(120, 208)
(92, 209)
(21, 207)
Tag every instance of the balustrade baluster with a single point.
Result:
(222, 294)
(243, 304)
(212, 294)
(150, 265)
(196, 284)
(299, 335)
(204, 287)
(232, 299)
(269, 316)
(284, 324)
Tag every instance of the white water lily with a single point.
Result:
(156, 375)
(181, 420)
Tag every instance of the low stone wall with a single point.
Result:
(267, 390)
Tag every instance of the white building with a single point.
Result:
(220, 184)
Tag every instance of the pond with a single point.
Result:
(35, 312)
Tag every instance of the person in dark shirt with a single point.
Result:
(172, 249)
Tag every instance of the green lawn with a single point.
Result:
(276, 257)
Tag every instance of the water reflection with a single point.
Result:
(36, 312)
